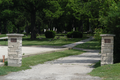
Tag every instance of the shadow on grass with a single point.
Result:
(90, 45)
(97, 64)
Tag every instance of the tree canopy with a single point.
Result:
(35, 15)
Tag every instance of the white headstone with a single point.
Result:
(56, 30)
(49, 29)
(74, 29)
(53, 28)
(44, 30)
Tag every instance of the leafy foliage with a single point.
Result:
(50, 34)
(97, 36)
(74, 34)
(110, 21)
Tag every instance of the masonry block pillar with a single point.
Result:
(15, 50)
(107, 49)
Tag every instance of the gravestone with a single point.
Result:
(44, 30)
(53, 28)
(74, 29)
(107, 48)
(15, 50)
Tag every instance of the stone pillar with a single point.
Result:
(15, 50)
(107, 46)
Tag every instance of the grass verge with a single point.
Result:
(107, 72)
(97, 64)
(38, 59)
(94, 44)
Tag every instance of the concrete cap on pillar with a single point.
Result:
(107, 35)
(15, 34)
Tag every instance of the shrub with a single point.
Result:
(50, 34)
(97, 36)
(74, 34)
(69, 34)
(6, 63)
(98, 31)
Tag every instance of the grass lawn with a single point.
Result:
(38, 59)
(3, 35)
(90, 45)
(107, 72)
(41, 40)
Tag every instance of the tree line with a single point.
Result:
(36, 15)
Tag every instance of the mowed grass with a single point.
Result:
(49, 41)
(107, 72)
(41, 40)
(3, 35)
(94, 44)
(38, 59)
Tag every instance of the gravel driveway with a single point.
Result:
(67, 68)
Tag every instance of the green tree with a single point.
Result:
(110, 20)
(36, 9)
(6, 14)
(31, 7)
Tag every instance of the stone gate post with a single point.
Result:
(107, 46)
(15, 50)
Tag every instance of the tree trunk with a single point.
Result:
(33, 27)
(39, 25)
(5, 27)
(72, 25)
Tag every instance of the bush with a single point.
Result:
(6, 63)
(69, 35)
(98, 31)
(74, 34)
(50, 34)
(97, 36)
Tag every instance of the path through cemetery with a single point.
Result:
(74, 67)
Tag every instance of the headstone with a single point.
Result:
(107, 49)
(53, 28)
(15, 50)
(64, 31)
(44, 30)
(74, 29)
(56, 29)
(49, 29)
(24, 31)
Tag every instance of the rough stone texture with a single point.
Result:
(15, 50)
(107, 49)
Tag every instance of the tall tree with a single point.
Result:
(50, 9)
(110, 20)
(31, 7)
